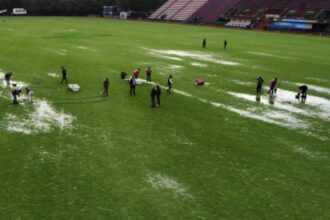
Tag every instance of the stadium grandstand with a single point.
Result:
(296, 15)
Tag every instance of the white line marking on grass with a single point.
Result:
(312, 155)
(322, 138)
(161, 182)
(261, 54)
(59, 52)
(268, 55)
(173, 66)
(82, 47)
(70, 30)
(199, 64)
(211, 75)
(312, 87)
(317, 79)
(238, 82)
(183, 93)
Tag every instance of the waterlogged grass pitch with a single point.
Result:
(210, 152)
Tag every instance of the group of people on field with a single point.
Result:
(204, 44)
(156, 89)
(16, 90)
(301, 95)
(155, 93)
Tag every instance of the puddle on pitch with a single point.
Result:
(285, 100)
(201, 56)
(164, 56)
(314, 106)
(41, 120)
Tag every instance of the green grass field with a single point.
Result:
(209, 152)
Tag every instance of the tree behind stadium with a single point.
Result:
(78, 7)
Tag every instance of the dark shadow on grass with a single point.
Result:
(79, 103)
(80, 98)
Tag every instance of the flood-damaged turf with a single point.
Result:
(210, 152)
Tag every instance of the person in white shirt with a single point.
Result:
(29, 94)
(169, 83)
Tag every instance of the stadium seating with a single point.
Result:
(162, 10)
(190, 8)
(242, 13)
(213, 9)
(178, 10)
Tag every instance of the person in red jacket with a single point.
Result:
(199, 81)
(272, 87)
(136, 73)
